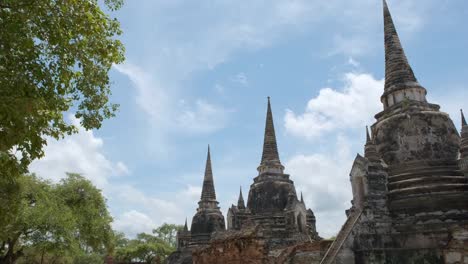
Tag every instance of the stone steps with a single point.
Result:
(428, 189)
(426, 181)
(426, 172)
(336, 246)
(415, 167)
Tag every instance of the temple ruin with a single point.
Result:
(410, 192)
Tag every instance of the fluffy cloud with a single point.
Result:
(143, 212)
(321, 176)
(79, 153)
(135, 211)
(162, 107)
(324, 181)
(134, 222)
(352, 106)
(202, 118)
(241, 79)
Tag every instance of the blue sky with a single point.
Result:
(199, 72)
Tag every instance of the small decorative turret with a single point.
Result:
(302, 198)
(270, 158)
(240, 202)
(370, 151)
(183, 237)
(464, 145)
(185, 226)
(463, 119)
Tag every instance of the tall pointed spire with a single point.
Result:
(398, 72)
(302, 198)
(463, 118)
(208, 191)
(185, 226)
(240, 202)
(270, 158)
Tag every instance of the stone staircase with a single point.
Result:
(346, 229)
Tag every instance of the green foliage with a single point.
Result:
(65, 222)
(55, 57)
(168, 233)
(88, 206)
(147, 248)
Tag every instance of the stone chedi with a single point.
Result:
(273, 204)
(410, 190)
(273, 209)
(208, 218)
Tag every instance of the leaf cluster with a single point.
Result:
(61, 221)
(148, 248)
(55, 56)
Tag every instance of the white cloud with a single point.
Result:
(151, 95)
(324, 181)
(352, 106)
(198, 116)
(353, 62)
(202, 118)
(150, 210)
(241, 79)
(134, 222)
(79, 153)
(204, 35)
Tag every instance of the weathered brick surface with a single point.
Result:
(254, 250)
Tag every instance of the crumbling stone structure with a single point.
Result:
(410, 191)
(239, 216)
(207, 220)
(273, 204)
(273, 209)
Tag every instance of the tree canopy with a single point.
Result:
(148, 248)
(65, 220)
(55, 56)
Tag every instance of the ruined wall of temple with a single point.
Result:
(251, 247)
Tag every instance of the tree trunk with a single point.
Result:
(42, 256)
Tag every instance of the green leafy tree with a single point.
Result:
(57, 223)
(55, 56)
(89, 208)
(168, 233)
(147, 248)
(43, 221)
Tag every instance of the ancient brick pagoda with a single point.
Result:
(273, 208)
(410, 192)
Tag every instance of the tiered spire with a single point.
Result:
(208, 191)
(240, 202)
(185, 226)
(302, 198)
(370, 151)
(398, 71)
(270, 157)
